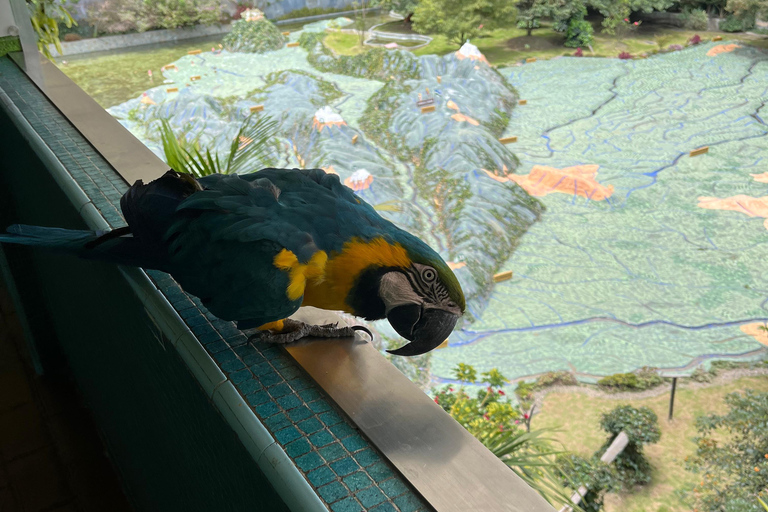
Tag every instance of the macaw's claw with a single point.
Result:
(294, 330)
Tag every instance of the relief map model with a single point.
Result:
(625, 251)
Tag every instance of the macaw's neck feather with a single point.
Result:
(350, 279)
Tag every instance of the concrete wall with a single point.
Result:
(274, 10)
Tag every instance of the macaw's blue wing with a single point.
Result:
(223, 243)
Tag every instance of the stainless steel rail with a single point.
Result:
(449, 467)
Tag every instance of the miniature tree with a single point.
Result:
(530, 12)
(580, 31)
(732, 456)
(616, 11)
(593, 474)
(459, 20)
(641, 427)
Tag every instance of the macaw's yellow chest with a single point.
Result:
(325, 282)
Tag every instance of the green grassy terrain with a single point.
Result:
(577, 417)
(112, 78)
(344, 44)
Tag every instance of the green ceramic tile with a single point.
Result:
(347, 505)
(297, 448)
(370, 497)
(367, 457)
(299, 413)
(380, 471)
(289, 402)
(332, 452)
(287, 435)
(321, 476)
(333, 492)
(354, 443)
(321, 438)
(393, 487)
(309, 461)
(344, 466)
(357, 481)
(408, 503)
(310, 425)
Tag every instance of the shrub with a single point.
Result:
(625, 55)
(696, 39)
(644, 378)
(596, 476)
(642, 427)
(560, 26)
(560, 378)
(580, 33)
(524, 391)
(649, 377)
(738, 23)
(702, 375)
(695, 19)
(732, 456)
(253, 37)
(619, 381)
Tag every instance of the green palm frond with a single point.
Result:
(388, 206)
(531, 457)
(260, 132)
(250, 146)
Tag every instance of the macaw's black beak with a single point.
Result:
(425, 328)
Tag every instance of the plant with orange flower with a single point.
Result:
(732, 456)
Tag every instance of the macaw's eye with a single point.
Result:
(428, 275)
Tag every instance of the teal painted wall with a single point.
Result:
(173, 450)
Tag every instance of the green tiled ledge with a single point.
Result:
(347, 473)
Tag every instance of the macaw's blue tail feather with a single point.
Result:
(96, 245)
(55, 238)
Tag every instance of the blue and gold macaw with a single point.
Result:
(256, 247)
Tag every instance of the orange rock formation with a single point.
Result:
(762, 178)
(461, 118)
(456, 266)
(752, 206)
(722, 48)
(320, 125)
(458, 116)
(579, 180)
(757, 331)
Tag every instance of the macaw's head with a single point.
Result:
(420, 296)
(422, 304)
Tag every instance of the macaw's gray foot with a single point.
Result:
(294, 330)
